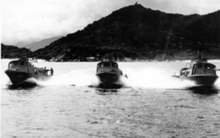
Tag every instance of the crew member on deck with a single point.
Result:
(51, 71)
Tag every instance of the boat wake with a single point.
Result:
(150, 78)
(155, 79)
(73, 78)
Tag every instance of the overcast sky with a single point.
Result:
(32, 20)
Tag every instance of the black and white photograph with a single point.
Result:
(110, 68)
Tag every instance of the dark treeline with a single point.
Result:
(14, 52)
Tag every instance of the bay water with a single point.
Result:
(151, 104)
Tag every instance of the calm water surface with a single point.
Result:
(69, 105)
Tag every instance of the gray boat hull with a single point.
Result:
(18, 77)
(203, 80)
(200, 80)
(108, 78)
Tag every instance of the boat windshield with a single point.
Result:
(108, 64)
(204, 68)
(15, 65)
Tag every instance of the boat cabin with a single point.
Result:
(199, 69)
(204, 68)
(20, 65)
(108, 66)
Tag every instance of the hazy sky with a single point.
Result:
(32, 20)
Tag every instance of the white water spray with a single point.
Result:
(155, 79)
(152, 75)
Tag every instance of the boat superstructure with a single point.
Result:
(200, 71)
(20, 70)
(108, 72)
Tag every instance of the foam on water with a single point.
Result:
(80, 78)
(217, 83)
(155, 79)
(137, 78)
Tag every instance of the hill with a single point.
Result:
(38, 44)
(8, 51)
(137, 32)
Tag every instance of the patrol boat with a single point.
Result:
(199, 71)
(20, 70)
(108, 72)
